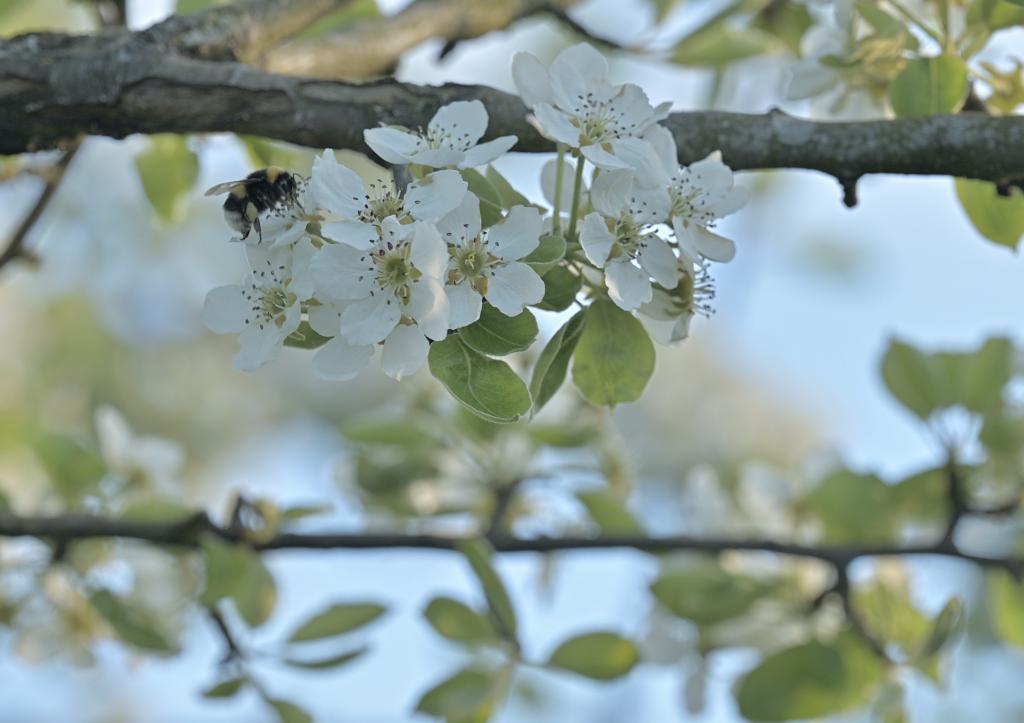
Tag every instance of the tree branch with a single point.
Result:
(374, 46)
(16, 246)
(53, 87)
(187, 533)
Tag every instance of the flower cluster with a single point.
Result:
(350, 268)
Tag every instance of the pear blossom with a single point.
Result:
(285, 223)
(486, 264)
(266, 308)
(126, 453)
(389, 290)
(668, 314)
(699, 195)
(353, 208)
(574, 103)
(620, 232)
(451, 139)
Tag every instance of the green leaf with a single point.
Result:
(457, 621)
(490, 199)
(225, 688)
(560, 289)
(305, 338)
(337, 620)
(256, 594)
(168, 170)
(487, 387)
(812, 680)
(495, 334)
(1006, 606)
(553, 362)
(921, 497)
(609, 513)
(720, 45)
(156, 509)
(506, 193)
(74, 471)
(886, 608)
(707, 594)
(289, 712)
(614, 356)
(601, 656)
(853, 508)
(549, 252)
(478, 554)
(335, 661)
(946, 626)
(237, 572)
(908, 375)
(927, 86)
(131, 623)
(461, 696)
(997, 218)
(403, 433)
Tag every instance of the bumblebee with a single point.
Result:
(270, 189)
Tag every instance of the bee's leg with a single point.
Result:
(259, 230)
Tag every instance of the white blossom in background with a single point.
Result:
(353, 209)
(619, 236)
(699, 195)
(485, 264)
(451, 139)
(266, 308)
(155, 459)
(391, 290)
(574, 103)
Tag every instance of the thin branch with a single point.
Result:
(55, 86)
(233, 651)
(373, 47)
(15, 248)
(188, 533)
(842, 588)
(504, 495)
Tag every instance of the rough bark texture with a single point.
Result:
(54, 87)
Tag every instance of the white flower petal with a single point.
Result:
(225, 310)
(808, 78)
(611, 192)
(434, 195)
(429, 252)
(596, 239)
(340, 361)
(428, 306)
(342, 272)
(437, 157)
(656, 258)
(640, 155)
(693, 238)
(463, 223)
(334, 188)
(517, 235)
(556, 125)
(531, 79)
(464, 121)
(370, 320)
(578, 72)
(710, 174)
(602, 158)
(356, 234)
(405, 351)
(392, 144)
(514, 286)
(258, 346)
(664, 145)
(628, 286)
(325, 319)
(649, 205)
(487, 152)
(464, 305)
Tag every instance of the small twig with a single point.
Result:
(16, 246)
(504, 494)
(233, 650)
(563, 17)
(843, 590)
(958, 506)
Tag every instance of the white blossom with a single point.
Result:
(668, 314)
(285, 223)
(485, 264)
(575, 103)
(389, 291)
(155, 459)
(266, 308)
(699, 195)
(353, 209)
(451, 139)
(619, 236)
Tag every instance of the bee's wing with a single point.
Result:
(224, 187)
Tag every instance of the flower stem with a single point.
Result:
(559, 180)
(575, 211)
